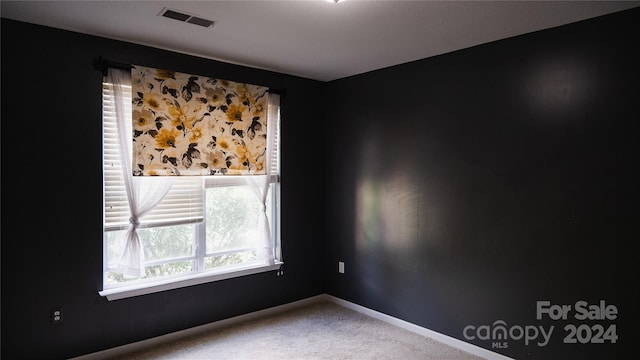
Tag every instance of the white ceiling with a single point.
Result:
(315, 39)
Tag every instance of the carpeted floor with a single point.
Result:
(322, 330)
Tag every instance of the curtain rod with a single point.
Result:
(103, 65)
(281, 92)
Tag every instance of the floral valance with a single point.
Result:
(187, 124)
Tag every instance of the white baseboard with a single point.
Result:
(144, 344)
(448, 340)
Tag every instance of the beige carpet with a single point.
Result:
(322, 330)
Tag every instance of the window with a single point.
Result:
(205, 228)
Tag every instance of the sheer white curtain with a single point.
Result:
(260, 187)
(260, 184)
(143, 193)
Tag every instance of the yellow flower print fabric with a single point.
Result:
(195, 125)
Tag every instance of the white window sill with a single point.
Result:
(127, 291)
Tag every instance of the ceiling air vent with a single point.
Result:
(185, 17)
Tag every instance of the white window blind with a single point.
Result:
(273, 136)
(183, 204)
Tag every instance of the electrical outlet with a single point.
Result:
(56, 315)
(341, 267)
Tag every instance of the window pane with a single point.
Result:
(167, 242)
(232, 218)
(168, 269)
(159, 243)
(114, 277)
(115, 243)
(243, 257)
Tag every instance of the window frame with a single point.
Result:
(201, 275)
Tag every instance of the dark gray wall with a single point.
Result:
(52, 200)
(464, 188)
